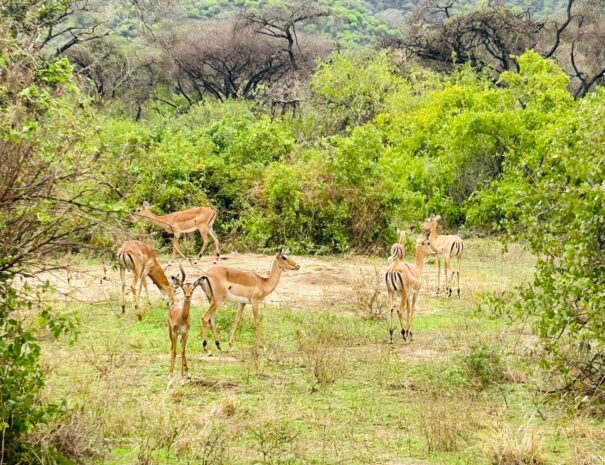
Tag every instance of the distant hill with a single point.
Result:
(353, 21)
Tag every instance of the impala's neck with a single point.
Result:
(272, 280)
(156, 274)
(156, 219)
(402, 238)
(433, 237)
(186, 308)
(420, 253)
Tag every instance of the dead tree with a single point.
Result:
(226, 62)
(491, 37)
(279, 22)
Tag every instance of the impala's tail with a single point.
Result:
(397, 252)
(457, 248)
(125, 260)
(204, 282)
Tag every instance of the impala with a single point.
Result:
(223, 284)
(141, 260)
(405, 280)
(179, 320)
(446, 246)
(195, 219)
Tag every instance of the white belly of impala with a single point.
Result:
(237, 299)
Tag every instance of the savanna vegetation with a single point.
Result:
(318, 127)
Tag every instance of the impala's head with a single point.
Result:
(142, 210)
(402, 235)
(430, 223)
(285, 262)
(187, 288)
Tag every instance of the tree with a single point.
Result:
(280, 21)
(226, 61)
(441, 34)
(47, 176)
(130, 76)
(53, 26)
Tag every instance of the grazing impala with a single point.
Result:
(446, 246)
(141, 260)
(195, 219)
(405, 280)
(222, 284)
(179, 320)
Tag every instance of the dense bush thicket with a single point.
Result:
(371, 151)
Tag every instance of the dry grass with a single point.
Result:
(368, 294)
(441, 423)
(515, 446)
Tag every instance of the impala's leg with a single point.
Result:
(173, 337)
(259, 335)
(175, 247)
(144, 280)
(412, 312)
(236, 322)
(123, 288)
(138, 298)
(184, 368)
(216, 242)
(402, 304)
(446, 268)
(392, 310)
(215, 335)
(204, 233)
(458, 275)
(206, 322)
(438, 272)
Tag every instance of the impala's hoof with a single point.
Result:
(218, 345)
(403, 334)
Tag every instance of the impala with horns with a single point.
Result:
(141, 260)
(404, 280)
(224, 284)
(179, 320)
(447, 246)
(194, 219)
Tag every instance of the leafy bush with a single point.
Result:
(484, 364)
(556, 194)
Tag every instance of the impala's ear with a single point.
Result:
(286, 252)
(175, 281)
(198, 281)
(146, 204)
(438, 217)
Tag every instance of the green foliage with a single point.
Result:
(45, 200)
(556, 194)
(484, 365)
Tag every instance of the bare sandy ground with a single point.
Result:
(319, 281)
